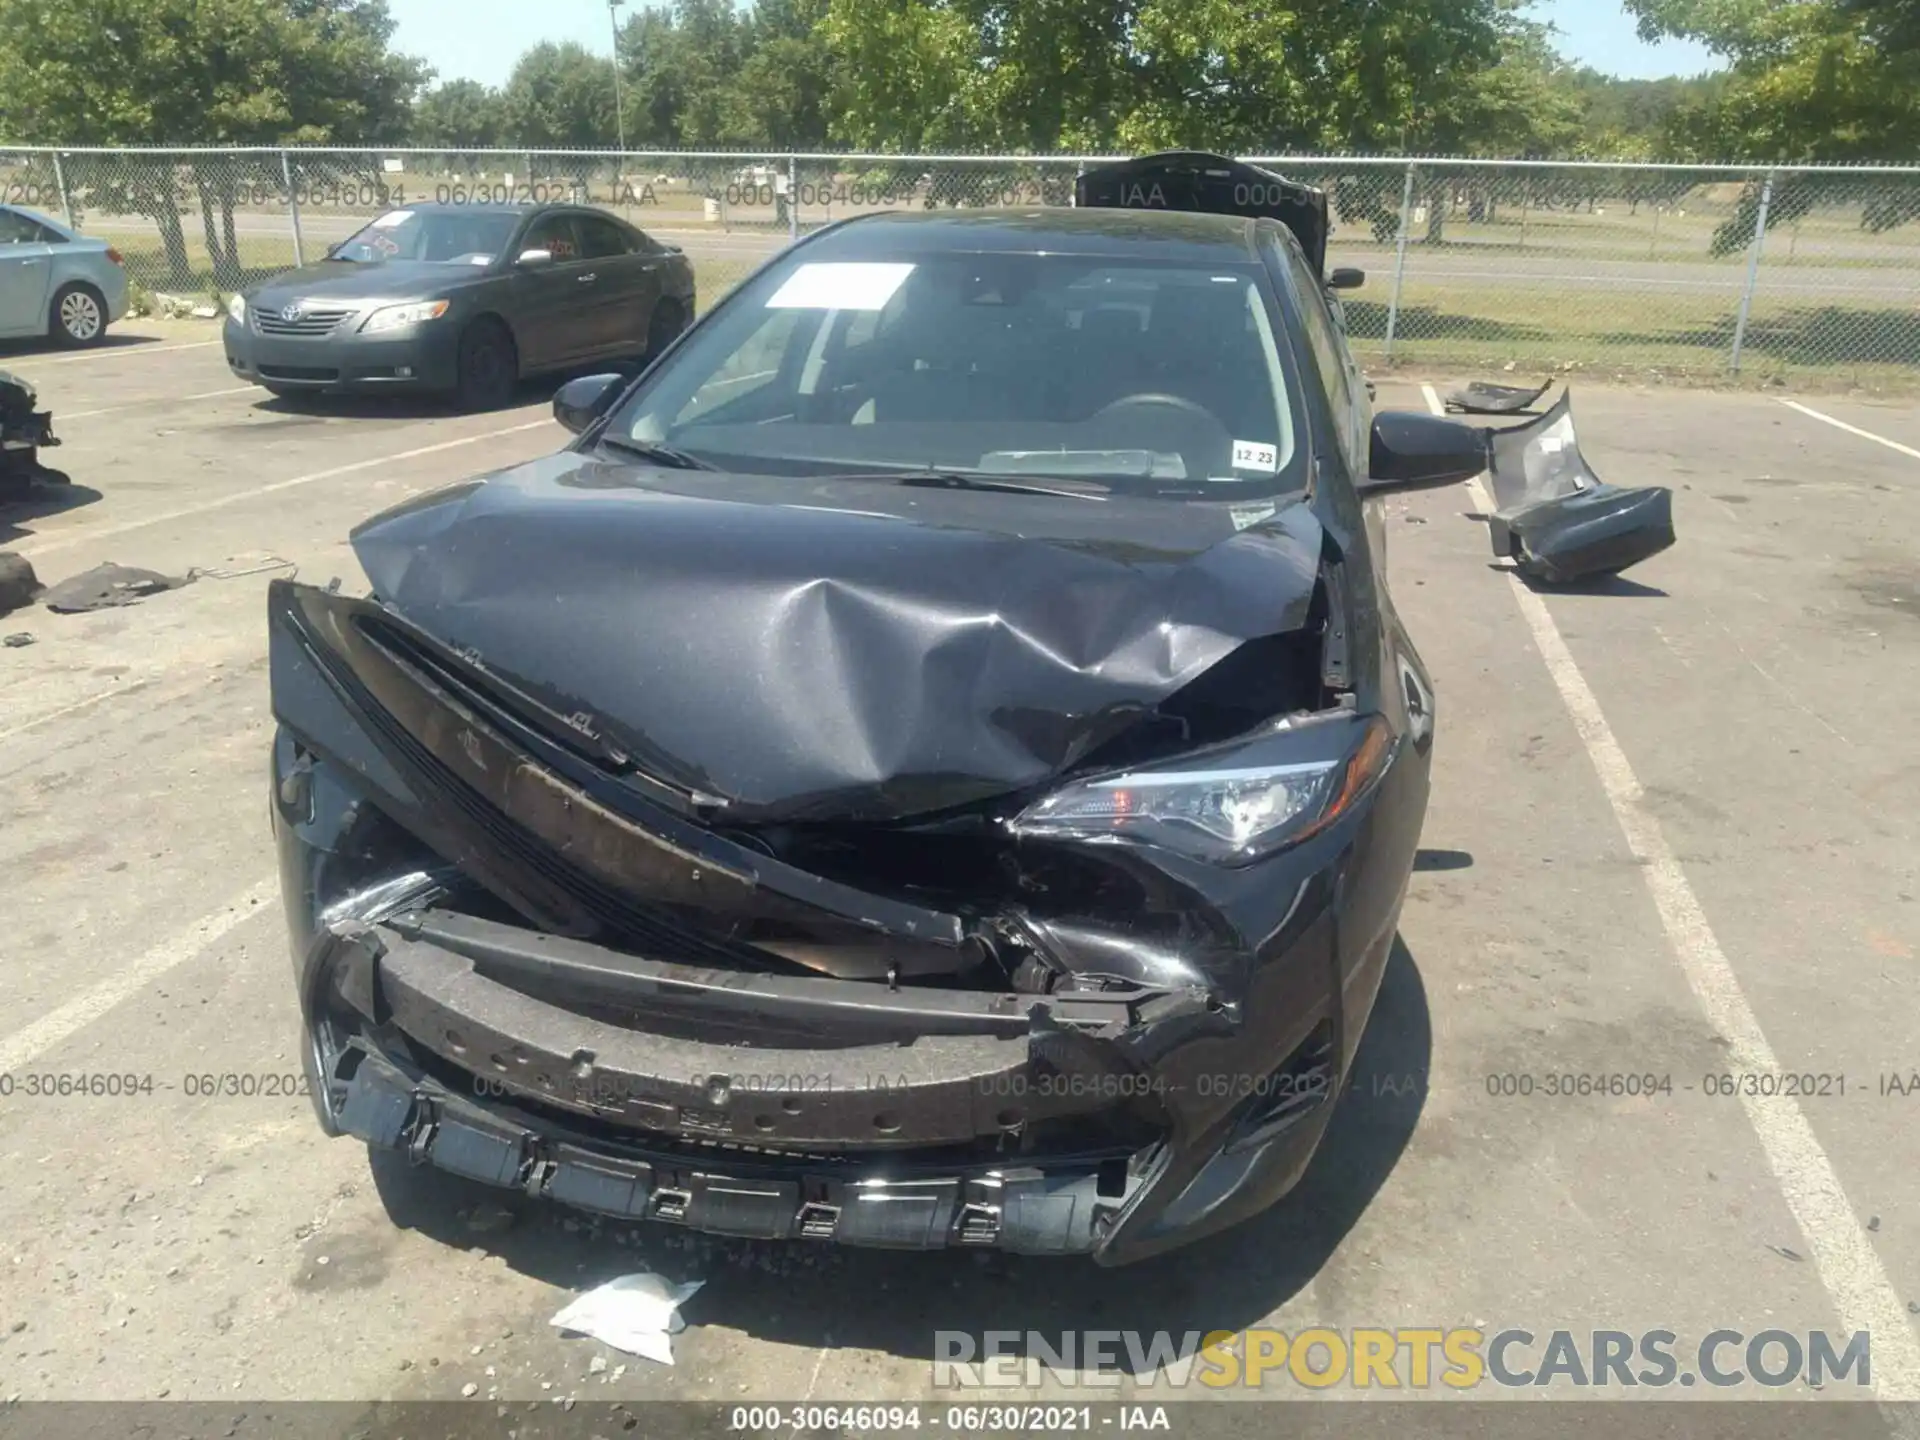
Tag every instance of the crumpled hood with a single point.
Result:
(848, 649)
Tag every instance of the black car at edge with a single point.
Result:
(933, 763)
(464, 301)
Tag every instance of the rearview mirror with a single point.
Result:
(533, 259)
(1346, 278)
(578, 403)
(1410, 451)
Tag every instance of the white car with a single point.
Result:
(56, 282)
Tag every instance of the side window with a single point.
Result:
(1330, 356)
(19, 230)
(600, 237)
(1323, 336)
(554, 233)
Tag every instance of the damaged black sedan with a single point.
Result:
(934, 763)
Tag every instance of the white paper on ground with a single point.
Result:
(850, 285)
(635, 1313)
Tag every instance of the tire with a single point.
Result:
(78, 316)
(668, 320)
(488, 366)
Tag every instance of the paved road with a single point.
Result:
(1665, 818)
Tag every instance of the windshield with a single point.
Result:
(1142, 376)
(435, 237)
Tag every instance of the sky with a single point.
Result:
(480, 39)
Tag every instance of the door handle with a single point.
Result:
(587, 279)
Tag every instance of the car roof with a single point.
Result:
(1158, 235)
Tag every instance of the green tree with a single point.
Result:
(210, 72)
(779, 95)
(1807, 80)
(1216, 74)
(461, 115)
(560, 97)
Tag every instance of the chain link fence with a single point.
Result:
(1639, 270)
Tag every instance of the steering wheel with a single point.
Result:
(1159, 397)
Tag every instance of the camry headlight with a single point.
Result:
(396, 317)
(237, 308)
(1258, 798)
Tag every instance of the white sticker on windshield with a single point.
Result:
(392, 218)
(1246, 515)
(1251, 455)
(845, 286)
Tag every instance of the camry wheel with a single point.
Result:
(489, 366)
(79, 316)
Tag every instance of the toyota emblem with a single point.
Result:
(292, 313)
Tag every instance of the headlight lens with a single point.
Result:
(237, 308)
(1231, 813)
(396, 317)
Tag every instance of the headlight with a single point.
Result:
(237, 308)
(1260, 798)
(396, 317)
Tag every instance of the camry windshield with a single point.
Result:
(448, 239)
(1132, 375)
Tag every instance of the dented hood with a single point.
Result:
(801, 648)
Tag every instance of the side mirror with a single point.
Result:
(1410, 451)
(1346, 277)
(578, 403)
(534, 259)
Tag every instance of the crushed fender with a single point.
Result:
(1478, 397)
(1558, 521)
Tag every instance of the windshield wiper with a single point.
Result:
(654, 454)
(964, 480)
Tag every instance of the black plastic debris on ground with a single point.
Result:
(107, 586)
(1478, 397)
(1558, 521)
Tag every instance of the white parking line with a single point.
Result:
(77, 705)
(1843, 1257)
(82, 534)
(111, 351)
(157, 400)
(1851, 429)
(26, 1045)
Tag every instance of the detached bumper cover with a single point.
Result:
(1558, 521)
(1478, 397)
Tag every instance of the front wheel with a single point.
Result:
(488, 366)
(78, 316)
